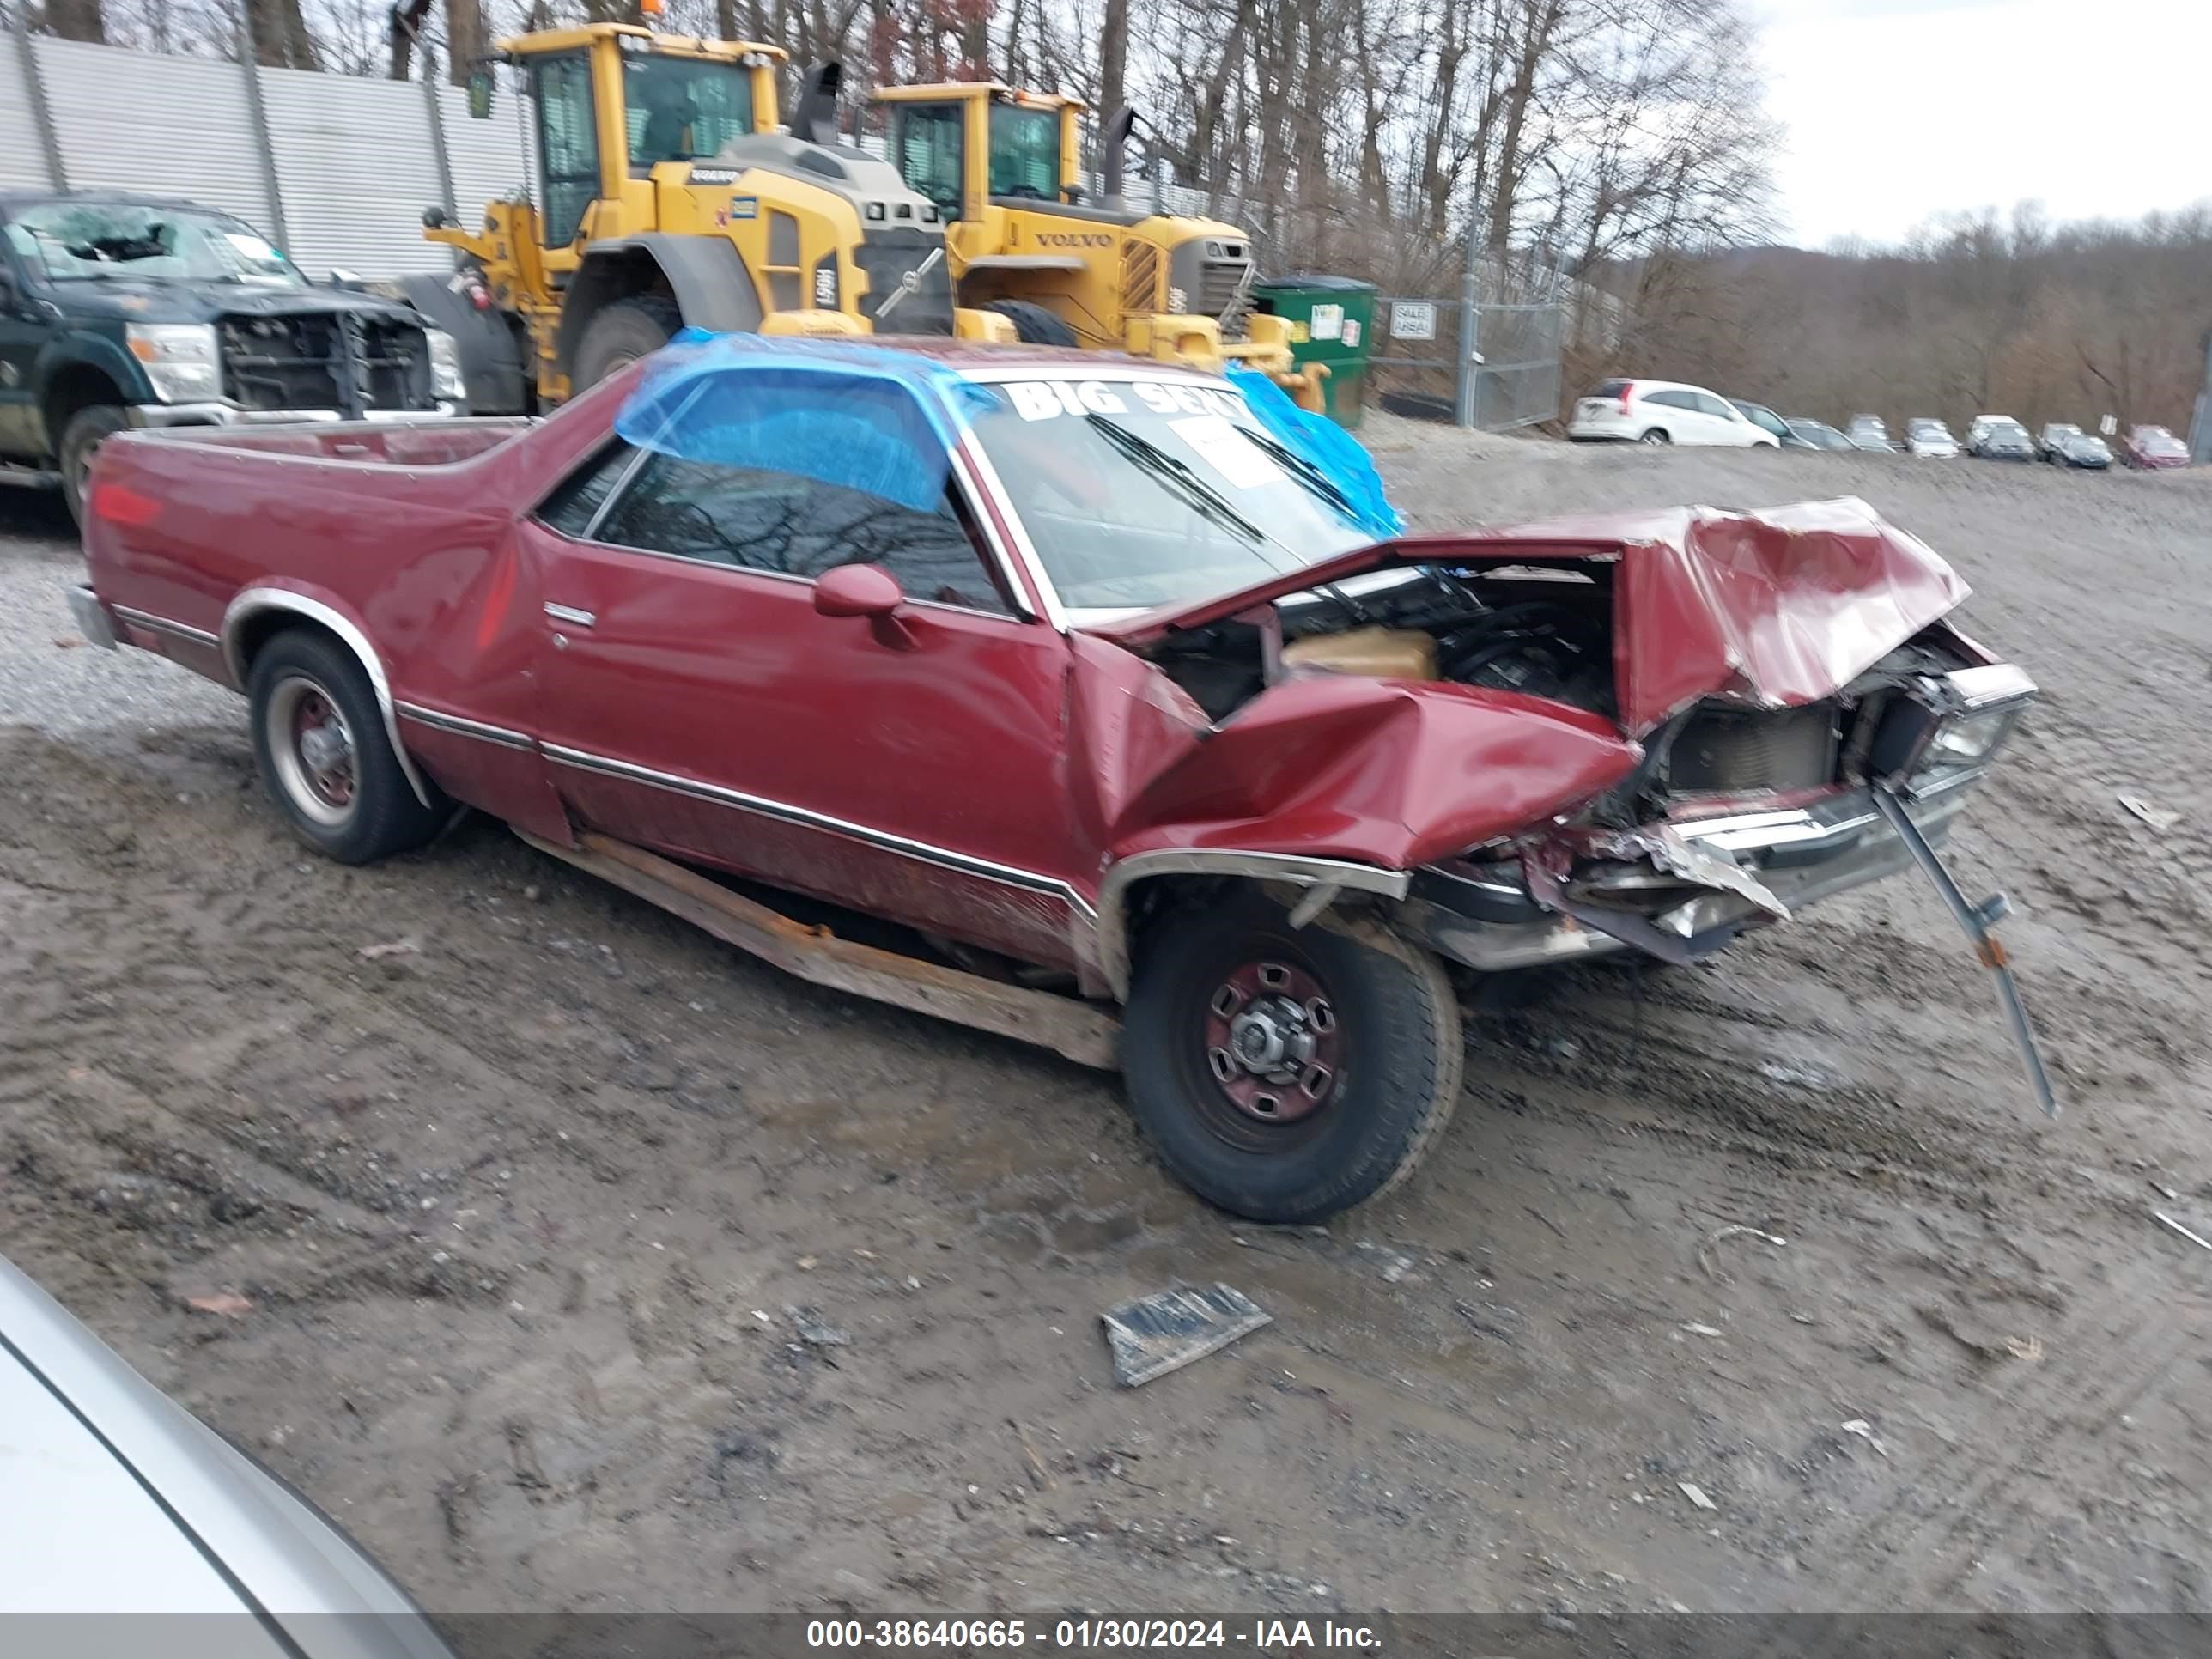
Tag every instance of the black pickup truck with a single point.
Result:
(120, 311)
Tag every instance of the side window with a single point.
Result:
(568, 147)
(1024, 152)
(928, 142)
(1670, 399)
(572, 507)
(1715, 407)
(786, 525)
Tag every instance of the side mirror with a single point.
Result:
(480, 86)
(867, 591)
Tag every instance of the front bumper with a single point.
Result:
(156, 415)
(1483, 915)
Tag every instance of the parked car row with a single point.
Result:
(1672, 412)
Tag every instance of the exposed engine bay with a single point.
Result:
(1546, 631)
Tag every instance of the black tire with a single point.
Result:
(81, 436)
(1392, 1027)
(1033, 324)
(379, 813)
(1656, 435)
(622, 333)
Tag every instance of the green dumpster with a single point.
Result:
(1332, 321)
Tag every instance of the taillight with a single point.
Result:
(120, 504)
(1627, 391)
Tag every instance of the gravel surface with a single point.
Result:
(533, 1190)
(49, 679)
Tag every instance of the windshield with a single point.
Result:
(1024, 152)
(683, 109)
(82, 241)
(1143, 493)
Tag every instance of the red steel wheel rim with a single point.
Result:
(317, 730)
(1271, 1042)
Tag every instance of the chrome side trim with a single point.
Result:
(252, 601)
(178, 630)
(943, 857)
(464, 728)
(1111, 941)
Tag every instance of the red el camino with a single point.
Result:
(1091, 675)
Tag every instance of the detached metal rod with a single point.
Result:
(1974, 921)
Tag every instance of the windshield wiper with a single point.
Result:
(1209, 503)
(1309, 473)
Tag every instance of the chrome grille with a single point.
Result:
(1730, 752)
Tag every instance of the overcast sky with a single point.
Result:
(1898, 109)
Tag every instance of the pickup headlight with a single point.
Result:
(1949, 727)
(445, 379)
(179, 359)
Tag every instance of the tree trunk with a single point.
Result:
(1113, 57)
(77, 20)
(281, 37)
(465, 39)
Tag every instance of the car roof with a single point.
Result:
(12, 200)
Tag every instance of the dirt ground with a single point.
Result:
(524, 1207)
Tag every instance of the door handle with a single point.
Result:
(569, 614)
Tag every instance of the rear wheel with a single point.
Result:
(1033, 324)
(81, 437)
(1287, 1074)
(621, 334)
(1657, 435)
(325, 755)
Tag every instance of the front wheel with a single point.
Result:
(1656, 436)
(324, 756)
(1284, 1074)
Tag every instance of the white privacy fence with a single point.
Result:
(336, 168)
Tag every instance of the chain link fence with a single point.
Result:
(1511, 363)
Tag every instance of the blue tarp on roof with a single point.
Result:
(860, 416)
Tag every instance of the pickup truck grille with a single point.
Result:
(338, 362)
(1732, 752)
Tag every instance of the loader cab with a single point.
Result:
(613, 102)
(969, 147)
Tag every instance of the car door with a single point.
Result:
(1718, 423)
(1667, 410)
(694, 700)
(22, 333)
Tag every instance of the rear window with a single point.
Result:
(1608, 388)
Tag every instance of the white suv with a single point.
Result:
(1663, 412)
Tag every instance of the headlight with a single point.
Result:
(1948, 726)
(445, 379)
(180, 360)
(1969, 741)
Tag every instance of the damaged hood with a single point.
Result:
(1779, 607)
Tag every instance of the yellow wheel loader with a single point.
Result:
(1005, 167)
(665, 194)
